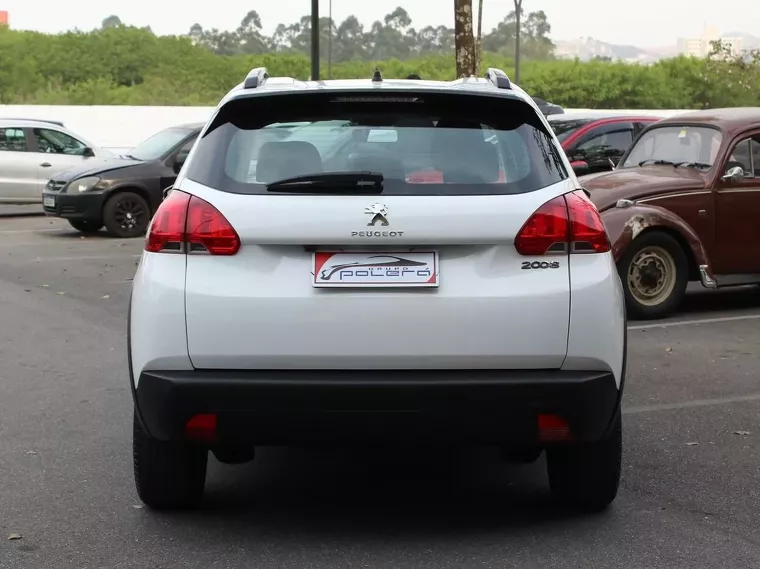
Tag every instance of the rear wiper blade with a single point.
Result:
(652, 161)
(333, 182)
(693, 165)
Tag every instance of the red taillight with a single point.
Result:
(587, 231)
(208, 230)
(568, 223)
(167, 230)
(552, 429)
(185, 223)
(201, 428)
(547, 230)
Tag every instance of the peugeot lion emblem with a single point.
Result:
(378, 212)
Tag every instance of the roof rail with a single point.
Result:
(256, 78)
(58, 123)
(498, 78)
(377, 76)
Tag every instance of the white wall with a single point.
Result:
(111, 126)
(124, 127)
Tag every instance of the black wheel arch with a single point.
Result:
(138, 189)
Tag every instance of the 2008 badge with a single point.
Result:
(540, 265)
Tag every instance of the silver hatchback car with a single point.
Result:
(33, 151)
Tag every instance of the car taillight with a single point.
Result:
(587, 232)
(568, 223)
(188, 224)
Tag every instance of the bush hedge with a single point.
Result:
(132, 66)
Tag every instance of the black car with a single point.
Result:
(121, 193)
(548, 108)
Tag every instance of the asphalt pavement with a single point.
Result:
(690, 495)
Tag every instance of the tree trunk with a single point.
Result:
(479, 46)
(518, 18)
(464, 39)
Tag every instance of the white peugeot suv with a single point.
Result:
(409, 261)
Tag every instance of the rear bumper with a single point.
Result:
(312, 407)
(88, 205)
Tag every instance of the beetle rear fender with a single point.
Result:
(624, 224)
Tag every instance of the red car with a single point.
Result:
(594, 142)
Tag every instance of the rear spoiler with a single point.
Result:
(548, 108)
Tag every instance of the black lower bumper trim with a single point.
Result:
(86, 206)
(305, 407)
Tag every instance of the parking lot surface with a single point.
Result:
(690, 495)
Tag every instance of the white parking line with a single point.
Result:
(689, 404)
(694, 322)
(80, 258)
(18, 231)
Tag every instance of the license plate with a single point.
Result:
(48, 201)
(373, 269)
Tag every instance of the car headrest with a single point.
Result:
(284, 159)
(463, 155)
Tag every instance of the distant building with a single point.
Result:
(702, 46)
(3, 18)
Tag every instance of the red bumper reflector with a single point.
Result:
(552, 429)
(201, 427)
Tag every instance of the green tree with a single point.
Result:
(249, 34)
(127, 65)
(534, 36)
(111, 22)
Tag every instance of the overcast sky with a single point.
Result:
(645, 23)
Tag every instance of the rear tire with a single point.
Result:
(586, 476)
(126, 215)
(85, 225)
(654, 271)
(234, 455)
(168, 475)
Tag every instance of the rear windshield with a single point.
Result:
(422, 144)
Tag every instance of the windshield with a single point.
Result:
(159, 144)
(564, 128)
(676, 144)
(436, 145)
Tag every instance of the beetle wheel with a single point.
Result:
(652, 275)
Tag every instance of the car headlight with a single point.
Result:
(83, 184)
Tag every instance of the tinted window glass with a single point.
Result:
(564, 128)
(12, 140)
(422, 144)
(619, 141)
(159, 144)
(676, 143)
(606, 145)
(54, 142)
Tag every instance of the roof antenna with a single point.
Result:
(377, 76)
